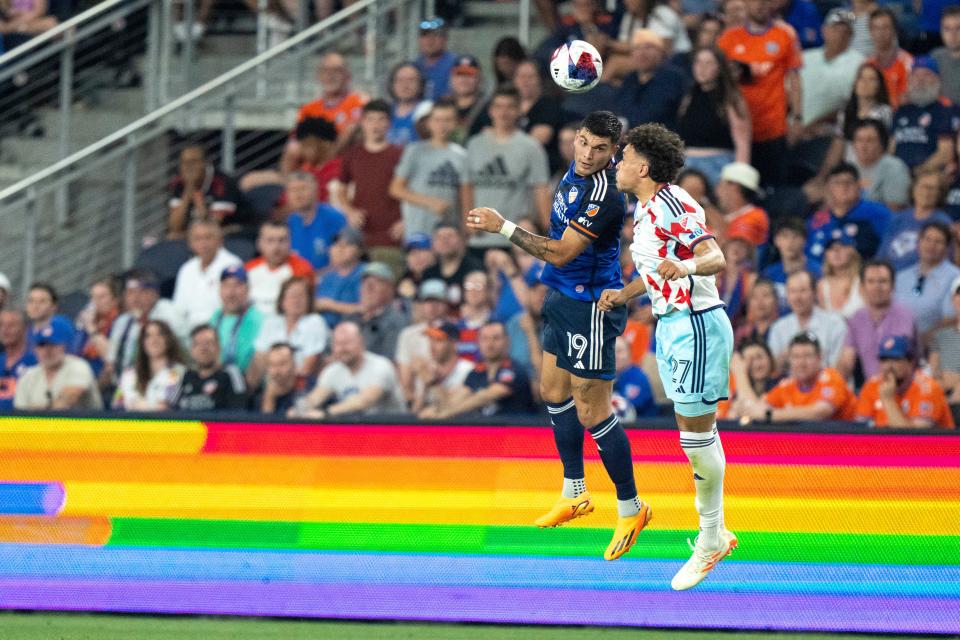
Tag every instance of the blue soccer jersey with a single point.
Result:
(594, 208)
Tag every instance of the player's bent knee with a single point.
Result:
(695, 416)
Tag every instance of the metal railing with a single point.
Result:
(115, 188)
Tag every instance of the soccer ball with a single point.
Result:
(576, 67)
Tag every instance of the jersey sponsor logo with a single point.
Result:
(560, 207)
(506, 376)
(583, 220)
(572, 195)
(592, 210)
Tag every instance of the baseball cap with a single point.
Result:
(926, 62)
(234, 271)
(143, 280)
(5, 282)
(379, 270)
(466, 65)
(418, 241)
(839, 15)
(351, 235)
(432, 289)
(432, 24)
(895, 347)
(743, 174)
(53, 333)
(443, 331)
(422, 110)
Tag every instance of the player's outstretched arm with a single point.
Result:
(611, 298)
(556, 252)
(706, 261)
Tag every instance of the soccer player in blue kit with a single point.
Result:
(582, 252)
(677, 259)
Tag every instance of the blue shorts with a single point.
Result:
(581, 336)
(693, 357)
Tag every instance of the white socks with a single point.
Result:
(706, 457)
(572, 487)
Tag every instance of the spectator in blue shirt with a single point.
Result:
(15, 355)
(653, 93)
(900, 242)
(406, 88)
(338, 289)
(434, 61)
(631, 385)
(42, 311)
(845, 206)
(313, 224)
(803, 16)
(924, 125)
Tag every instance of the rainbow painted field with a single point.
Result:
(413, 522)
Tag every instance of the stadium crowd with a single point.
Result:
(821, 141)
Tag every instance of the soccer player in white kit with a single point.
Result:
(676, 258)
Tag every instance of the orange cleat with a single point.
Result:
(565, 510)
(627, 531)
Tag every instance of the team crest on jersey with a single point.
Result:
(773, 48)
(572, 194)
(592, 210)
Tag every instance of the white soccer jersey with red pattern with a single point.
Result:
(669, 226)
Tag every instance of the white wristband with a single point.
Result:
(691, 266)
(507, 229)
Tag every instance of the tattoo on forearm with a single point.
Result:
(537, 246)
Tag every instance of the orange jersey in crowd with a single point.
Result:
(751, 224)
(723, 407)
(895, 75)
(342, 114)
(830, 387)
(637, 334)
(769, 56)
(923, 399)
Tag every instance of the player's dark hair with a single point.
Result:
(876, 125)
(662, 148)
(844, 167)
(381, 106)
(45, 286)
(604, 124)
(197, 330)
(876, 263)
(806, 338)
(316, 128)
(506, 91)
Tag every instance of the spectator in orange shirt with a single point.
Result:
(894, 63)
(766, 53)
(337, 103)
(736, 190)
(812, 392)
(902, 396)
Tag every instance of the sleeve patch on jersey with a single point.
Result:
(592, 210)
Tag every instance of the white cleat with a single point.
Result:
(695, 570)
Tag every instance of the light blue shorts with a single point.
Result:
(693, 357)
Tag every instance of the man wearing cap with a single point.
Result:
(902, 396)
(196, 293)
(15, 355)
(41, 309)
(237, 322)
(419, 257)
(277, 264)
(5, 290)
(828, 73)
(948, 56)
(434, 60)
(925, 286)
(846, 211)
(338, 289)
(380, 317)
(506, 169)
(653, 92)
(466, 90)
(880, 316)
(736, 190)
(413, 344)
(313, 224)
(923, 129)
(438, 376)
(427, 180)
(60, 381)
(812, 392)
(142, 301)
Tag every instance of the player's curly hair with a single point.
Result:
(662, 148)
